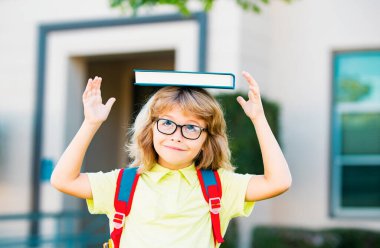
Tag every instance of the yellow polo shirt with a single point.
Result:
(168, 208)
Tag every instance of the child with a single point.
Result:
(179, 130)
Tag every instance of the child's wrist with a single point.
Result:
(258, 118)
(92, 124)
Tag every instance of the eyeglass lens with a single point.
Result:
(169, 127)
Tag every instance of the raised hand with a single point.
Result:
(95, 112)
(253, 108)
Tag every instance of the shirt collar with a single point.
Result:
(158, 172)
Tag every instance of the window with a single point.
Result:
(355, 190)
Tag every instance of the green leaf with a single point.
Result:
(182, 7)
(245, 5)
(207, 5)
(256, 8)
(116, 3)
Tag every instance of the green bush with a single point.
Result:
(231, 236)
(355, 238)
(245, 148)
(290, 237)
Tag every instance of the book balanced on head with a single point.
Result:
(185, 78)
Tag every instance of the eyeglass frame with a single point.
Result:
(181, 126)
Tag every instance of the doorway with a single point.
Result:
(106, 152)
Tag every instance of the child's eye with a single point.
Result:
(167, 123)
(191, 128)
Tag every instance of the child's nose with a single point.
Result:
(177, 135)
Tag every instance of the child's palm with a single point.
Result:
(94, 110)
(253, 108)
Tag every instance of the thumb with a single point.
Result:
(241, 101)
(110, 102)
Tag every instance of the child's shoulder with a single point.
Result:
(227, 175)
(101, 176)
(223, 171)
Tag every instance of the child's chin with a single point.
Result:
(174, 161)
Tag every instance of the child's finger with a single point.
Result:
(97, 82)
(251, 96)
(250, 79)
(241, 101)
(88, 84)
(100, 82)
(84, 96)
(93, 84)
(87, 90)
(110, 102)
(254, 90)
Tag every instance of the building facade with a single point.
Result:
(296, 52)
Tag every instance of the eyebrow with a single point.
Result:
(169, 116)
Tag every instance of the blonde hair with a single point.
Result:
(215, 152)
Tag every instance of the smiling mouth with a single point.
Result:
(174, 148)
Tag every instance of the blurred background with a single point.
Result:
(317, 64)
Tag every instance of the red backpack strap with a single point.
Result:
(125, 190)
(212, 192)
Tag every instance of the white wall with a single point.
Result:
(223, 38)
(294, 69)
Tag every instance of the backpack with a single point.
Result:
(125, 189)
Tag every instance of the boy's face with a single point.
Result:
(175, 151)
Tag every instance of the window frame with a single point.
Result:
(338, 160)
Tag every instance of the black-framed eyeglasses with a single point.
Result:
(189, 131)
